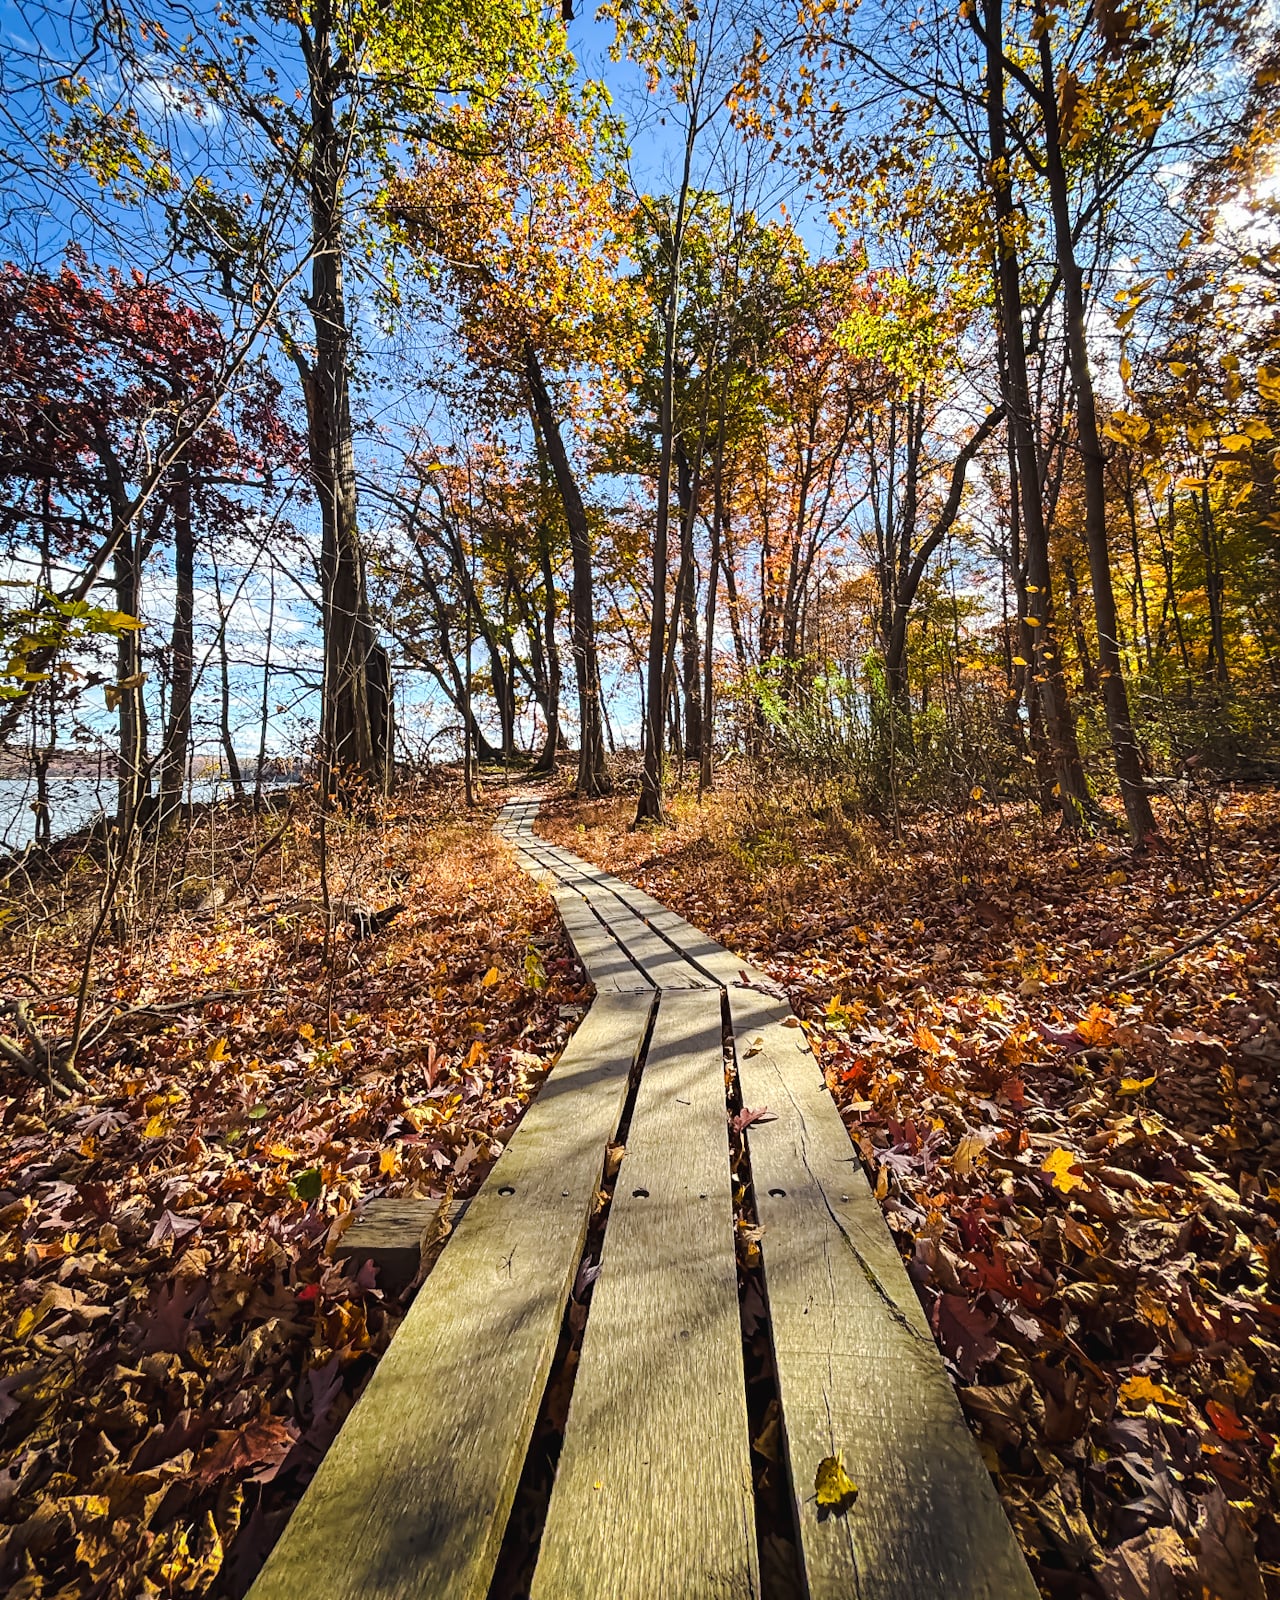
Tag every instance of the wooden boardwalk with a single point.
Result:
(653, 1497)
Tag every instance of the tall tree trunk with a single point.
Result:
(546, 762)
(224, 695)
(1027, 687)
(1073, 795)
(264, 715)
(731, 593)
(690, 654)
(1075, 617)
(131, 771)
(1212, 587)
(348, 720)
(1141, 610)
(1115, 697)
(649, 807)
(177, 733)
(593, 771)
(911, 574)
(706, 751)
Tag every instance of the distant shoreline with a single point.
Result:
(94, 764)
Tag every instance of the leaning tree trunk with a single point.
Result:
(1073, 794)
(593, 772)
(1115, 697)
(355, 729)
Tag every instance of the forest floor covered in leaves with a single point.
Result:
(177, 1346)
(1079, 1160)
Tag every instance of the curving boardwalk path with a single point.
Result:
(653, 1496)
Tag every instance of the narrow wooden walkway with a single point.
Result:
(653, 1494)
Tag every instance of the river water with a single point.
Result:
(74, 803)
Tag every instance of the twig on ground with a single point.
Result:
(1139, 973)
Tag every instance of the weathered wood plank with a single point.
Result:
(390, 1233)
(668, 968)
(607, 964)
(670, 962)
(412, 1499)
(719, 964)
(858, 1370)
(653, 1493)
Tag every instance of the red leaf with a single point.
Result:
(255, 1452)
(1226, 1424)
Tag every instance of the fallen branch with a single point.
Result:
(46, 1063)
(1139, 973)
(108, 1018)
(50, 1063)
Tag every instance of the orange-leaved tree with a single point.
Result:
(516, 215)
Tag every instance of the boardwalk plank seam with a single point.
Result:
(412, 1499)
(858, 1370)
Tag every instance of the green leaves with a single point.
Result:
(307, 1185)
(50, 624)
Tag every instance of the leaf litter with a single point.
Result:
(178, 1346)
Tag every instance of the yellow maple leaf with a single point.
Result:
(967, 1152)
(1135, 1085)
(1057, 1165)
(490, 978)
(155, 1128)
(835, 1489)
(1139, 1391)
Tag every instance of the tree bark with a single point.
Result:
(593, 771)
(1115, 697)
(350, 748)
(1073, 794)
